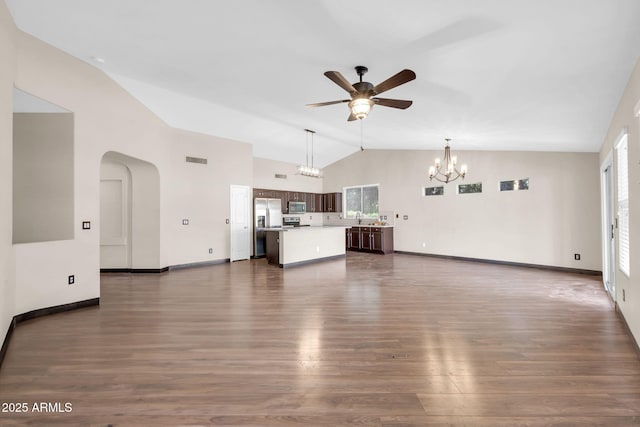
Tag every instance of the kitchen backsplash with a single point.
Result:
(337, 219)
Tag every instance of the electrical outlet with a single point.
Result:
(576, 257)
(71, 279)
(185, 222)
(210, 250)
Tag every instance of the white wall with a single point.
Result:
(626, 117)
(42, 177)
(546, 225)
(108, 119)
(201, 194)
(7, 73)
(264, 171)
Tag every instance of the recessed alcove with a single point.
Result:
(43, 196)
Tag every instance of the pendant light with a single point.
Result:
(306, 169)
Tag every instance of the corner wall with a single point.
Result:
(106, 119)
(7, 74)
(627, 117)
(545, 225)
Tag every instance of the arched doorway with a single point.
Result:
(129, 214)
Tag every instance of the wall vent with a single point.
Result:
(281, 176)
(196, 160)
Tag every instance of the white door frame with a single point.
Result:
(240, 223)
(608, 220)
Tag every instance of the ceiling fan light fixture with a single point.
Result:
(360, 107)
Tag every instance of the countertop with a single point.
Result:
(369, 225)
(312, 227)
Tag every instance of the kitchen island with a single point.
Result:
(288, 247)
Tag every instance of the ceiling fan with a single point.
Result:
(363, 94)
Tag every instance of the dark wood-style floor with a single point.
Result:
(394, 340)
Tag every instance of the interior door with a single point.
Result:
(608, 223)
(240, 223)
(115, 216)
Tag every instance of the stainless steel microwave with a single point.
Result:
(297, 207)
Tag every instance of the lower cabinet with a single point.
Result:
(273, 247)
(370, 239)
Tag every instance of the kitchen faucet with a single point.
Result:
(358, 217)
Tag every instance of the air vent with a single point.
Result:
(281, 176)
(196, 160)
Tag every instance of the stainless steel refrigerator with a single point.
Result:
(268, 214)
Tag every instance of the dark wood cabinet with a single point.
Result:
(329, 202)
(332, 202)
(370, 239)
(353, 238)
(273, 247)
(264, 193)
(318, 202)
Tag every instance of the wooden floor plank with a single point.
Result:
(394, 340)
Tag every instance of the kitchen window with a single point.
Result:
(361, 199)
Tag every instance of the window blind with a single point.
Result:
(623, 205)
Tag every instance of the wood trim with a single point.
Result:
(19, 318)
(134, 270)
(509, 263)
(7, 338)
(165, 269)
(199, 264)
(636, 347)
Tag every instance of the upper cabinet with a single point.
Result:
(332, 202)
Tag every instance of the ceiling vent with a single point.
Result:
(196, 160)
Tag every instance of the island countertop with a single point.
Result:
(287, 247)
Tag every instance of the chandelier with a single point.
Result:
(305, 169)
(447, 171)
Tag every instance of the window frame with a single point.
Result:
(622, 204)
(346, 205)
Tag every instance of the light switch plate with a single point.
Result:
(185, 222)
(86, 225)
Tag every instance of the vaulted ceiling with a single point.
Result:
(491, 74)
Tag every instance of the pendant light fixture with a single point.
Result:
(447, 171)
(306, 169)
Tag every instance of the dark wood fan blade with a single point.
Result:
(352, 117)
(339, 79)
(401, 78)
(394, 103)
(322, 104)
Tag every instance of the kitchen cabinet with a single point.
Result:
(273, 247)
(329, 202)
(266, 194)
(332, 202)
(353, 238)
(318, 202)
(308, 199)
(370, 239)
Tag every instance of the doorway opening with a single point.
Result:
(608, 226)
(129, 214)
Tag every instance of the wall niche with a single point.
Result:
(43, 193)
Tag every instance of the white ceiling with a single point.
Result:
(491, 74)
